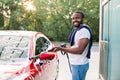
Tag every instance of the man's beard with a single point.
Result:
(81, 22)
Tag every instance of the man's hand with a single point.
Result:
(51, 50)
(55, 49)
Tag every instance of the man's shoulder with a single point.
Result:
(85, 26)
(84, 29)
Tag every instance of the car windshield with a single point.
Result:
(14, 46)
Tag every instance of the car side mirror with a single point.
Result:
(47, 56)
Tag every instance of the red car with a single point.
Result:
(24, 56)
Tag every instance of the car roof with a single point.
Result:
(19, 33)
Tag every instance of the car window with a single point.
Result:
(42, 45)
(14, 46)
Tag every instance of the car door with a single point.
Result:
(49, 68)
(44, 67)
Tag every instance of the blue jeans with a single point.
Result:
(79, 71)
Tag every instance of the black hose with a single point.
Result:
(65, 53)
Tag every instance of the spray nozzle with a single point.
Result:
(63, 45)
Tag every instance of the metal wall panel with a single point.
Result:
(104, 60)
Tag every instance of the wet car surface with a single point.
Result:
(24, 56)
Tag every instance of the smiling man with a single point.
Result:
(79, 52)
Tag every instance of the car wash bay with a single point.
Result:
(109, 39)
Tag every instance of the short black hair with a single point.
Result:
(80, 12)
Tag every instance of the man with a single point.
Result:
(80, 40)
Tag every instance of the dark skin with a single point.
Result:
(82, 43)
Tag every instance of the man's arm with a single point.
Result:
(82, 43)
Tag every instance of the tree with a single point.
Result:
(19, 17)
(1, 21)
(56, 16)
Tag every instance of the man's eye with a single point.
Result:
(77, 17)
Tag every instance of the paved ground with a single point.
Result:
(64, 71)
(94, 64)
